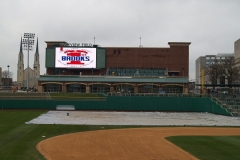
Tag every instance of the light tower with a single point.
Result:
(28, 42)
(8, 77)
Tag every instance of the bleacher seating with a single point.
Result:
(232, 104)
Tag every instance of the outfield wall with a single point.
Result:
(131, 103)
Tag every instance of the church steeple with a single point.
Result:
(20, 46)
(37, 52)
(36, 65)
(20, 65)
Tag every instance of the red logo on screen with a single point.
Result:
(75, 56)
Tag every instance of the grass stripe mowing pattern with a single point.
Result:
(209, 147)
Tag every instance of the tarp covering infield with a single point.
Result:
(122, 103)
(135, 118)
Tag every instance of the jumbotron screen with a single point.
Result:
(66, 57)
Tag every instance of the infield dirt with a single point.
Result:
(125, 144)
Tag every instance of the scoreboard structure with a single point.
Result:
(75, 67)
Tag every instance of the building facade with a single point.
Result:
(237, 53)
(95, 69)
(203, 62)
(200, 64)
(1, 76)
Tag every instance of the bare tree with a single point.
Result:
(228, 70)
(211, 72)
(5, 74)
(222, 69)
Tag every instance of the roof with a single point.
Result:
(124, 79)
(179, 43)
(55, 42)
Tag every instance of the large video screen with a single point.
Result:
(66, 57)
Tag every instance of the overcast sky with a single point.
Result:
(212, 26)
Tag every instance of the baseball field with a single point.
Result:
(55, 141)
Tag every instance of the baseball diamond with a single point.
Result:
(127, 144)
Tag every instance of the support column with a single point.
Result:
(64, 90)
(111, 89)
(40, 89)
(185, 90)
(87, 89)
(135, 89)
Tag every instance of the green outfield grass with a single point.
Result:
(209, 147)
(18, 140)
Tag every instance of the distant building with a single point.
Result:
(0, 75)
(200, 64)
(205, 61)
(237, 53)
(22, 72)
(6, 81)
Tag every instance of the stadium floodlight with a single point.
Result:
(28, 42)
(8, 77)
(34, 77)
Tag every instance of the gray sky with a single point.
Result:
(212, 26)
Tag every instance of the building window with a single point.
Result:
(52, 88)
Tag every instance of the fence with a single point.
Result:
(126, 103)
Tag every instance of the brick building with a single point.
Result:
(116, 69)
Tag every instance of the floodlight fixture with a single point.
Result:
(28, 42)
(8, 77)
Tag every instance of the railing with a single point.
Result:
(25, 95)
(158, 94)
(229, 102)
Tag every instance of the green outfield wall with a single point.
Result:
(122, 103)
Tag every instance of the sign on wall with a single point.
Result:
(66, 57)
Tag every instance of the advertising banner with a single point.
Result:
(66, 57)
